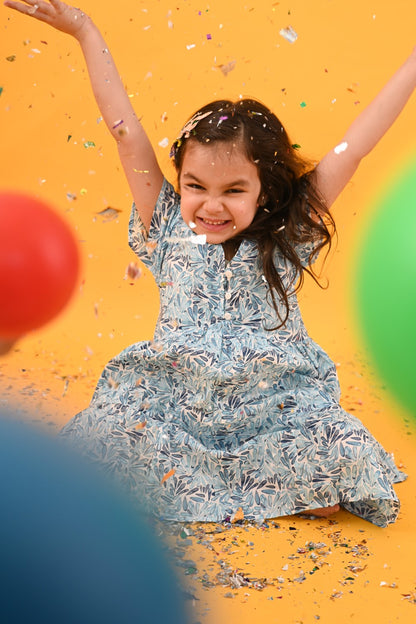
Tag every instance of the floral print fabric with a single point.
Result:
(217, 412)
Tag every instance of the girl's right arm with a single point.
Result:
(136, 153)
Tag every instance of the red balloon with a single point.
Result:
(39, 264)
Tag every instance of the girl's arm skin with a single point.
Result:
(135, 150)
(336, 169)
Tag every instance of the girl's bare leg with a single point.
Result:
(321, 512)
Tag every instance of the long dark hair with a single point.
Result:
(291, 210)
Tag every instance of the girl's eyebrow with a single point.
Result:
(238, 182)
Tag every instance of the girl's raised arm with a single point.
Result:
(337, 167)
(135, 150)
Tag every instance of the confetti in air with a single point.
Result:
(133, 271)
(164, 142)
(227, 67)
(109, 214)
(289, 34)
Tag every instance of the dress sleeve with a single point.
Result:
(304, 251)
(150, 246)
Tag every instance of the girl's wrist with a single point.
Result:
(85, 28)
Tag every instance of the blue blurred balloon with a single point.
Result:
(72, 550)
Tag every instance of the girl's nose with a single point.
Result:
(213, 204)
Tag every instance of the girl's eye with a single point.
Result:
(235, 190)
(195, 186)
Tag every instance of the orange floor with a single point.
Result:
(173, 58)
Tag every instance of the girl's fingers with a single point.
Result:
(30, 7)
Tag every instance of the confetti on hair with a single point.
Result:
(186, 131)
(296, 146)
(289, 34)
(341, 147)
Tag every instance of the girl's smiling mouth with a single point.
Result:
(213, 224)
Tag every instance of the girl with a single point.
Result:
(232, 405)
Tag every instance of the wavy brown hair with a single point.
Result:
(291, 210)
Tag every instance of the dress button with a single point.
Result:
(228, 296)
(227, 316)
(228, 273)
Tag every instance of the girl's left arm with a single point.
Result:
(337, 167)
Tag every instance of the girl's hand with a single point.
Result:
(55, 13)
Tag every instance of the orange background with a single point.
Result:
(344, 53)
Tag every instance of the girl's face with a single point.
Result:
(219, 189)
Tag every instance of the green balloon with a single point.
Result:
(385, 282)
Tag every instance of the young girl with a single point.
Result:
(232, 405)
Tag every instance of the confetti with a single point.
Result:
(11, 58)
(168, 475)
(89, 144)
(190, 46)
(118, 123)
(341, 147)
(227, 67)
(109, 214)
(198, 239)
(133, 271)
(164, 142)
(142, 425)
(289, 34)
(151, 246)
(1, 90)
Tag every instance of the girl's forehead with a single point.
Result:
(218, 152)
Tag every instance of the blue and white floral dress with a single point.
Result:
(218, 413)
